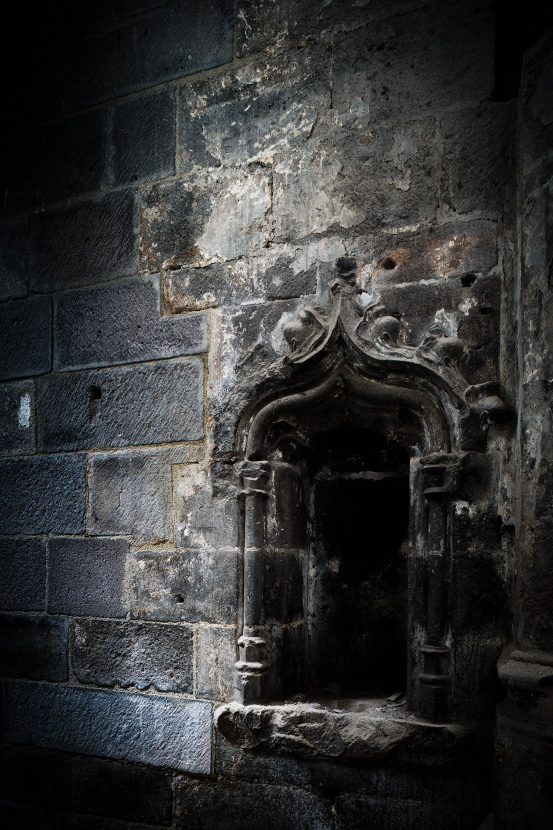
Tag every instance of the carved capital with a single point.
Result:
(255, 477)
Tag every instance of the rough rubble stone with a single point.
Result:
(33, 647)
(23, 569)
(42, 494)
(215, 662)
(87, 577)
(147, 729)
(17, 418)
(194, 586)
(13, 259)
(25, 337)
(147, 404)
(90, 242)
(132, 654)
(121, 323)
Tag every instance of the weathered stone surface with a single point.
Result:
(42, 494)
(146, 404)
(160, 731)
(125, 791)
(244, 806)
(132, 654)
(50, 773)
(121, 323)
(206, 506)
(53, 162)
(478, 154)
(33, 647)
(87, 577)
(194, 586)
(130, 494)
(357, 813)
(210, 217)
(25, 337)
(142, 138)
(17, 418)
(216, 656)
(314, 731)
(13, 259)
(88, 243)
(23, 569)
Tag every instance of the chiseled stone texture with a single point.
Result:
(121, 323)
(25, 337)
(149, 729)
(43, 494)
(142, 138)
(33, 647)
(146, 404)
(237, 805)
(216, 656)
(105, 653)
(87, 577)
(17, 418)
(13, 259)
(87, 243)
(194, 586)
(122, 790)
(23, 569)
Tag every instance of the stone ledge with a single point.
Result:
(310, 730)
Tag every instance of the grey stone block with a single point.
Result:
(50, 773)
(54, 162)
(42, 494)
(216, 656)
(87, 577)
(194, 586)
(146, 404)
(142, 138)
(132, 654)
(206, 506)
(13, 259)
(23, 568)
(130, 494)
(125, 791)
(25, 337)
(148, 729)
(478, 158)
(34, 647)
(237, 805)
(121, 323)
(357, 813)
(17, 418)
(173, 40)
(87, 243)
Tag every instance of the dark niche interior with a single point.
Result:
(357, 584)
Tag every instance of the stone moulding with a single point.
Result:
(350, 358)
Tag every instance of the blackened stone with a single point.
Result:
(130, 494)
(142, 138)
(17, 418)
(146, 404)
(215, 662)
(23, 568)
(86, 577)
(87, 243)
(42, 494)
(355, 813)
(283, 587)
(132, 654)
(25, 337)
(149, 729)
(54, 162)
(50, 773)
(13, 259)
(226, 805)
(34, 647)
(126, 791)
(194, 586)
(478, 158)
(121, 323)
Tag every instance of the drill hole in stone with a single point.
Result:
(388, 264)
(94, 396)
(467, 280)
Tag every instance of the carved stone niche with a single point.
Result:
(351, 480)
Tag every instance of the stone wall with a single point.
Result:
(188, 175)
